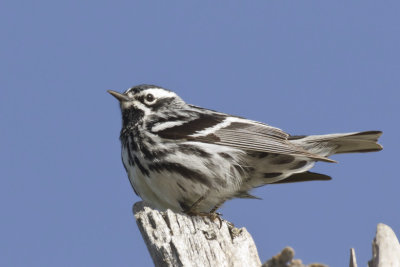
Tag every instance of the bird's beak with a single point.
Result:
(119, 96)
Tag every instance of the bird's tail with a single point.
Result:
(329, 144)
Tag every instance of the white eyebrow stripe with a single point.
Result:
(159, 93)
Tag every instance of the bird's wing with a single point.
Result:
(222, 129)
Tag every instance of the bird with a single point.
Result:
(191, 159)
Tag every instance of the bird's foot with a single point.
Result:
(212, 216)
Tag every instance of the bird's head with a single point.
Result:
(146, 97)
(146, 101)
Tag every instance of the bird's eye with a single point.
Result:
(149, 98)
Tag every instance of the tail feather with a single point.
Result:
(304, 177)
(330, 144)
(278, 172)
(359, 142)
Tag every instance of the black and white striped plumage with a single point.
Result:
(176, 153)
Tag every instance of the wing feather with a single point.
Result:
(217, 128)
(249, 135)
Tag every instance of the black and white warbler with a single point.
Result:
(191, 159)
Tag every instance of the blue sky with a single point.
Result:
(308, 67)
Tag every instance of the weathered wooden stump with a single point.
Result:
(176, 239)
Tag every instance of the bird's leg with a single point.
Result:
(212, 215)
(191, 211)
(216, 207)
